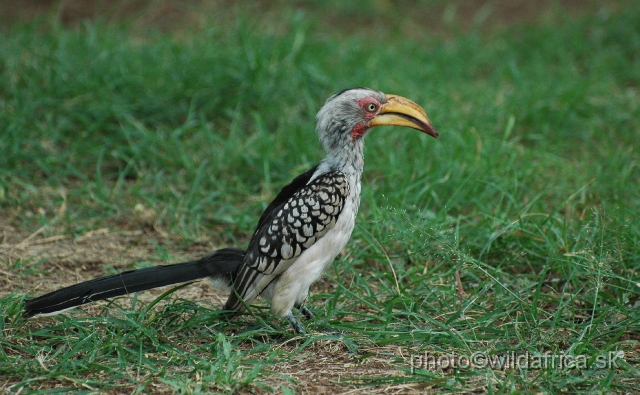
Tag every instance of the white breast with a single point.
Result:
(292, 286)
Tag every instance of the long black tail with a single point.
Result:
(222, 266)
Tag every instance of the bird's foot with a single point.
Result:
(296, 325)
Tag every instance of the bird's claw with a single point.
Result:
(296, 325)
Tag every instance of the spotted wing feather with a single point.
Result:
(286, 231)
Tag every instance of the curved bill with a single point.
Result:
(400, 111)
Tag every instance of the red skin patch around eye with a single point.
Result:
(360, 129)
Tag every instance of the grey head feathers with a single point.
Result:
(340, 114)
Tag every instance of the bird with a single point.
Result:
(297, 236)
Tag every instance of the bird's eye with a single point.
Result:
(371, 107)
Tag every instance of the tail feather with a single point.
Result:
(221, 265)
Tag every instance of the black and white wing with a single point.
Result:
(302, 213)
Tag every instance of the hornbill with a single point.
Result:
(298, 235)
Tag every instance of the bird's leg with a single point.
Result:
(307, 313)
(295, 324)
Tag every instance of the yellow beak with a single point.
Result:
(400, 111)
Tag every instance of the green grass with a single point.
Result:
(530, 194)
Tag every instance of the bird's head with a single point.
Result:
(348, 115)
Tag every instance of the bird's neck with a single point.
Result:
(348, 158)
